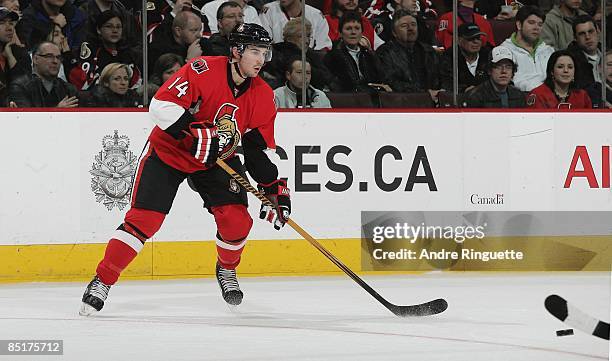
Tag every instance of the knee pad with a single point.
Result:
(142, 223)
(233, 221)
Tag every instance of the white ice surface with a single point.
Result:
(490, 317)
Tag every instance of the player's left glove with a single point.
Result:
(205, 146)
(278, 193)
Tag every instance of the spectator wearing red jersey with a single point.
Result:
(466, 14)
(558, 90)
(339, 7)
(108, 48)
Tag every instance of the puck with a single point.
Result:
(568, 332)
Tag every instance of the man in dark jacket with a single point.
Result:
(585, 49)
(409, 65)
(473, 60)
(183, 37)
(41, 16)
(229, 14)
(497, 92)
(43, 88)
(14, 60)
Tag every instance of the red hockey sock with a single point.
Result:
(229, 259)
(233, 226)
(117, 257)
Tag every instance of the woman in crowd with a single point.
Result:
(559, 90)
(164, 67)
(113, 89)
(356, 67)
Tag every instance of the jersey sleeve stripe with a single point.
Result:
(164, 113)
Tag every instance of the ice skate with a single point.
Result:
(94, 297)
(230, 290)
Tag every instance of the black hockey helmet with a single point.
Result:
(250, 34)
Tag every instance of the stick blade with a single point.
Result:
(424, 309)
(557, 306)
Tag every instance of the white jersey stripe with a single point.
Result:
(199, 148)
(207, 151)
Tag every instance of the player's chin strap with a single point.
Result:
(238, 71)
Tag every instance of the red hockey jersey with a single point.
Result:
(202, 87)
(543, 97)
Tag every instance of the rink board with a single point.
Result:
(57, 216)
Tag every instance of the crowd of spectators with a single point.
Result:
(510, 54)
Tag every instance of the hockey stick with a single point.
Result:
(424, 309)
(574, 317)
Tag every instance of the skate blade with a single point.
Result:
(87, 310)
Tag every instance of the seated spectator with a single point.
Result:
(163, 69)
(466, 14)
(557, 31)
(12, 5)
(277, 13)
(356, 67)
(382, 20)
(41, 16)
(162, 13)
(586, 53)
(43, 88)
(424, 9)
(14, 59)
(609, 79)
(290, 95)
(229, 15)
(274, 71)
(501, 9)
(530, 52)
(211, 11)
(107, 48)
(497, 91)
(183, 38)
(58, 38)
(370, 39)
(409, 65)
(130, 33)
(473, 60)
(113, 89)
(559, 90)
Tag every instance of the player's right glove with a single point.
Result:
(205, 146)
(278, 193)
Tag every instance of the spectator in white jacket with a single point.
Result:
(290, 95)
(530, 52)
(210, 10)
(276, 14)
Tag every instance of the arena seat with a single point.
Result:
(350, 100)
(405, 100)
(502, 29)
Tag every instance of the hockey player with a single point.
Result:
(202, 112)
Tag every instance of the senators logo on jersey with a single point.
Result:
(229, 136)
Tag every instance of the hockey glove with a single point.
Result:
(205, 146)
(278, 193)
